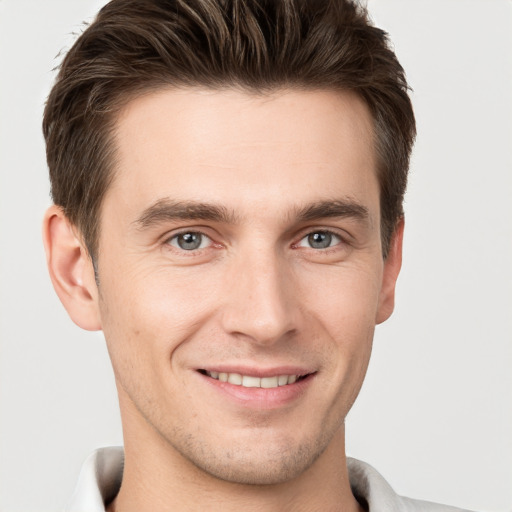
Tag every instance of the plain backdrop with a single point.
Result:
(435, 414)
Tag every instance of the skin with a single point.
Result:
(255, 296)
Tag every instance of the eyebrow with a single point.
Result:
(336, 208)
(165, 210)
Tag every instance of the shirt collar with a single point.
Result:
(102, 472)
(99, 481)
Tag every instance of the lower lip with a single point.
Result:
(260, 398)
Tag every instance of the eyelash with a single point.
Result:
(199, 250)
(191, 252)
(329, 233)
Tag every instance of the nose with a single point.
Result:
(261, 300)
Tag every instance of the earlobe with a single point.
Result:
(392, 266)
(71, 270)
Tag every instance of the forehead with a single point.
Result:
(248, 150)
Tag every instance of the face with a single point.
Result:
(241, 274)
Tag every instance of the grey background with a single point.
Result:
(435, 414)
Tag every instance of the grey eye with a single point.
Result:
(190, 241)
(320, 240)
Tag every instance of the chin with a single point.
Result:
(259, 464)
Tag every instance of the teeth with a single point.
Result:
(247, 381)
(269, 382)
(235, 378)
(282, 380)
(251, 382)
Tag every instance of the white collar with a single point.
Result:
(99, 480)
(102, 472)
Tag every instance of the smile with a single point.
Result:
(249, 381)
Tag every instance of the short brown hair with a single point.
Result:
(135, 46)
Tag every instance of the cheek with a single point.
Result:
(146, 314)
(343, 308)
(345, 299)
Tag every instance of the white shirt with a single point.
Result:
(102, 472)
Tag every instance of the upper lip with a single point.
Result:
(258, 371)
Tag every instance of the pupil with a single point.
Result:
(320, 240)
(189, 241)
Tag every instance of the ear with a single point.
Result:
(71, 270)
(392, 265)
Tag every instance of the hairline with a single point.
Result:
(121, 101)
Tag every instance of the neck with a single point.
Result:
(157, 477)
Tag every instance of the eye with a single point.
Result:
(190, 241)
(320, 240)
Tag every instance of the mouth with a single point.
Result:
(257, 388)
(251, 381)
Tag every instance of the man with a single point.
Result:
(228, 180)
